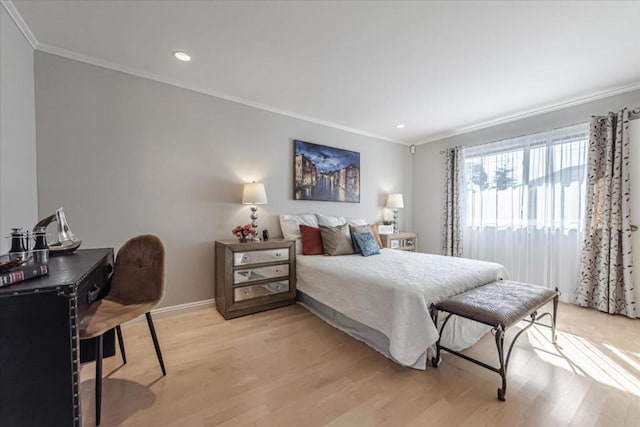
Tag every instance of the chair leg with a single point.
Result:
(98, 378)
(121, 343)
(155, 343)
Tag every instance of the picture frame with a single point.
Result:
(325, 173)
(385, 229)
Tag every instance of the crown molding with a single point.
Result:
(17, 18)
(533, 112)
(201, 89)
(31, 39)
(26, 31)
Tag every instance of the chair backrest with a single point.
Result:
(138, 274)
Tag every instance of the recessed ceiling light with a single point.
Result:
(400, 126)
(181, 56)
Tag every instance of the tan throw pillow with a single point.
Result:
(336, 240)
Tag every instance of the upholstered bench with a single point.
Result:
(501, 305)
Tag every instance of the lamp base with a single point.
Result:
(254, 216)
(396, 216)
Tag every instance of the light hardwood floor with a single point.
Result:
(286, 367)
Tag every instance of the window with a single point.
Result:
(524, 205)
(532, 181)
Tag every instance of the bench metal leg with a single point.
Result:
(434, 316)
(435, 361)
(532, 321)
(554, 320)
(499, 335)
(554, 338)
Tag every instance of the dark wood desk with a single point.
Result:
(39, 346)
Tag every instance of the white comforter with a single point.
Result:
(392, 292)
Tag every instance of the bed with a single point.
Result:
(384, 300)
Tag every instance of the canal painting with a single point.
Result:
(325, 173)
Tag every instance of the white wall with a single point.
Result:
(428, 166)
(125, 155)
(18, 186)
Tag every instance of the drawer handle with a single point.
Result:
(278, 254)
(246, 257)
(246, 292)
(93, 293)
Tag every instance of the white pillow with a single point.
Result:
(356, 221)
(336, 221)
(290, 226)
(330, 221)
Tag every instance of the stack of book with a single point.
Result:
(11, 273)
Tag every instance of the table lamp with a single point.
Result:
(254, 194)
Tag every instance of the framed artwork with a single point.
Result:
(325, 173)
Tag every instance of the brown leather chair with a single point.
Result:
(137, 286)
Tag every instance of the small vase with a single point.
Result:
(244, 239)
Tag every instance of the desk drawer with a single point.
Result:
(95, 286)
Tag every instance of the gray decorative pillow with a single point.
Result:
(358, 229)
(336, 240)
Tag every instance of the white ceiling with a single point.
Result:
(441, 68)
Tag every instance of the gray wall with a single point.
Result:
(125, 155)
(18, 188)
(428, 166)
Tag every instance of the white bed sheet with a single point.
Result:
(392, 292)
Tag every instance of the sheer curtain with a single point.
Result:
(525, 203)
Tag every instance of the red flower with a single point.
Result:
(244, 231)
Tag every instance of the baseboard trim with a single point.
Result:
(178, 307)
(184, 306)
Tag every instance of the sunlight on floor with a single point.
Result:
(601, 362)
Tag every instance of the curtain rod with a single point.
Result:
(633, 115)
(517, 136)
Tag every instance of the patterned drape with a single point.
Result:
(606, 264)
(451, 234)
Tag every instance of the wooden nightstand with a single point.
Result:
(256, 276)
(403, 241)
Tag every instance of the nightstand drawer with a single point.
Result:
(259, 273)
(260, 256)
(262, 290)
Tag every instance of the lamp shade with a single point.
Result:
(394, 201)
(254, 194)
